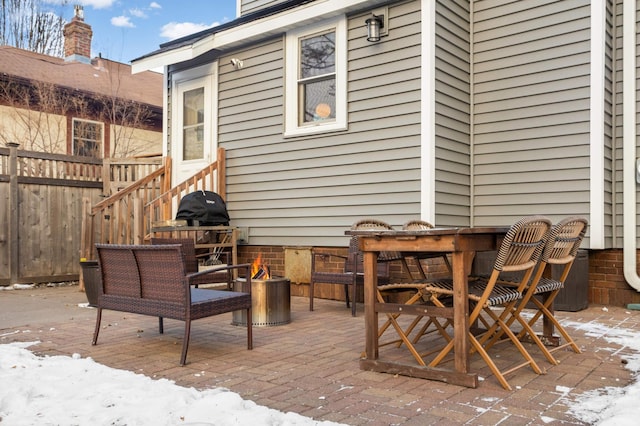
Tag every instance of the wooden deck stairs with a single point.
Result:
(126, 216)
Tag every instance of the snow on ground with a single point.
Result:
(62, 390)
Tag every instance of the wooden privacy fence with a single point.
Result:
(41, 211)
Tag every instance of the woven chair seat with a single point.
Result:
(498, 296)
(546, 285)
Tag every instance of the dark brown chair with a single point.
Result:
(352, 273)
(191, 263)
(151, 280)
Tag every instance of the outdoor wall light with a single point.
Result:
(375, 24)
(237, 63)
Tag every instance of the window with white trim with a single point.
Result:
(316, 98)
(87, 138)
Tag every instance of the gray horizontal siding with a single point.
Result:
(309, 189)
(531, 109)
(452, 119)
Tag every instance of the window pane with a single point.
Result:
(193, 124)
(193, 138)
(87, 138)
(317, 55)
(319, 100)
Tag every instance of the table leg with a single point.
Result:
(370, 314)
(460, 312)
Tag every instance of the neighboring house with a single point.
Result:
(464, 113)
(77, 105)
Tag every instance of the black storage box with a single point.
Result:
(575, 294)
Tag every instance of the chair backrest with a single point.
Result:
(417, 225)
(119, 271)
(375, 224)
(523, 244)
(565, 239)
(519, 252)
(143, 271)
(188, 250)
(355, 260)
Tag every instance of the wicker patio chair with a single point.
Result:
(384, 292)
(561, 249)
(519, 252)
(151, 280)
(352, 274)
(421, 225)
(191, 262)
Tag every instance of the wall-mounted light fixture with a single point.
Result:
(237, 63)
(377, 24)
(374, 25)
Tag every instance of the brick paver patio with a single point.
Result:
(310, 366)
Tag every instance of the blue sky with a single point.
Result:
(126, 30)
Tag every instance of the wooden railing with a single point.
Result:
(211, 178)
(119, 218)
(118, 173)
(128, 216)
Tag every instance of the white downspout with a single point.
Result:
(629, 143)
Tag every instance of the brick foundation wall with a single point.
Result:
(607, 285)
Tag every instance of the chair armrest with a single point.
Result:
(246, 266)
(223, 254)
(326, 256)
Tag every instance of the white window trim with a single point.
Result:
(184, 81)
(291, 126)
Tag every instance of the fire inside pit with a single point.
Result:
(270, 297)
(260, 271)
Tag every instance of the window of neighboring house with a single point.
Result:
(87, 138)
(193, 124)
(316, 98)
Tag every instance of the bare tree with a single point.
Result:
(126, 116)
(35, 113)
(33, 25)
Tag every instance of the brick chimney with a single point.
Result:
(77, 38)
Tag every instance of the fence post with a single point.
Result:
(13, 213)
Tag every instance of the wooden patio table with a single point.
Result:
(461, 244)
